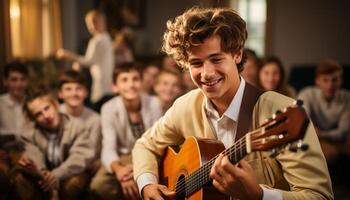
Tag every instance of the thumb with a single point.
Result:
(167, 192)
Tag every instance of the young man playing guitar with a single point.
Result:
(209, 43)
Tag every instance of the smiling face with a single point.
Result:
(44, 111)
(128, 85)
(269, 76)
(16, 84)
(168, 87)
(329, 84)
(214, 71)
(73, 94)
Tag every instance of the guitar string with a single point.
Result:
(203, 171)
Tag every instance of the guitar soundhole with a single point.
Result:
(180, 188)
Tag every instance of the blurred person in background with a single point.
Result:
(168, 87)
(329, 108)
(99, 55)
(16, 80)
(272, 77)
(251, 67)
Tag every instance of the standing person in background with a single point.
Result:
(16, 79)
(99, 55)
(329, 108)
(272, 77)
(72, 89)
(168, 87)
(209, 43)
(251, 67)
(124, 119)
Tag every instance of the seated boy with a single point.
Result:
(330, 112)
(11, 113)
(58, 150)
(124, 119)
(73, 91)
(168, 87)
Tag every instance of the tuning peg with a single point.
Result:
(298, 102)
(302, 146)
(293, 148)
(274, 153)
(278, 112)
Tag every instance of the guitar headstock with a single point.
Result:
(283, 128)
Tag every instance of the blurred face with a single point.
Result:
(168, 87)
(269, 76)
(213, 70)
(250, 71)
(45, 113)
(329, 84)
(128, 85)
(149, 76)
(16, 84)
(73, 94)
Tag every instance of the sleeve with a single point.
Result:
(305, 171)
(150, 147)
(33, 152)
(80, 155)
(109, 138)
(95, 50)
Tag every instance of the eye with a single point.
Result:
(216, 60)
(196, 64)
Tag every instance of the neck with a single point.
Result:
(74, 111)
(221, 104)
(16, 99)
(132, 105)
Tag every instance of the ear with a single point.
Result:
(115, 88)
(238, 56)
(59, 94)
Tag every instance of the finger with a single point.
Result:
(135, 192)
(166, 191)
(218, 186)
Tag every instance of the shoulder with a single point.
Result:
(112, 104)
(192, 100)
(269, 102)
(307, 91)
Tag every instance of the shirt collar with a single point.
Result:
(232, 111)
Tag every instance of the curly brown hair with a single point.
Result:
(197, 24)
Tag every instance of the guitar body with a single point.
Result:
(192, 155)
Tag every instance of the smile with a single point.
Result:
(211, 83)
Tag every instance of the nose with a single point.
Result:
(208, 70)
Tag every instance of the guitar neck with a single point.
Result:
(200, 177)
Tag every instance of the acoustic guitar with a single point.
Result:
(187, 171)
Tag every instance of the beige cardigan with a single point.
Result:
(301, 175)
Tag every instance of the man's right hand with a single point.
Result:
(156, 192)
